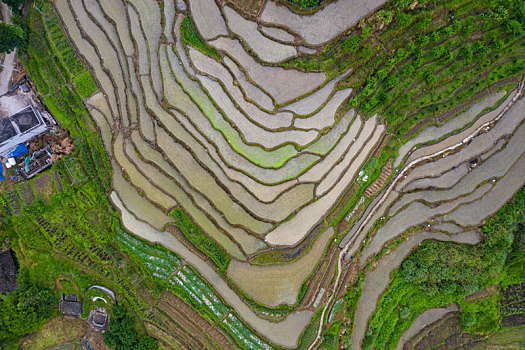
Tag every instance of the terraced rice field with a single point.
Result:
(211, 137)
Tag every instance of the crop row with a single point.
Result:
(159, 260)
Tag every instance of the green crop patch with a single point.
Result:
(202, 241)
(160, 261)
(192, 37)
(85, 84)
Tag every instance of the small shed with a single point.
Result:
(99, 317)
(69, 305)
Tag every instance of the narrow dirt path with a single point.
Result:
(396, 179)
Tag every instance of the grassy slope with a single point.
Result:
(414, 65)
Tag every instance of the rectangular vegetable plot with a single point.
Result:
(196, 286)
(160, 261)
(242, 334)
(198, 292)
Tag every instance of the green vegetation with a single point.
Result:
(25, 309)
(481, 316)
(514, 268)
(85, 84)
(192, 37)
(54, 66)
(200, 240)
(14, 4)
(305, 3)
(11, 37)
(412, 66)
(121, 333)
(198, 292)
(441, 273)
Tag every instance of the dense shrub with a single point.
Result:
(11, 37)
(121, 333)
(201, 240)
(25, 309)
(85, 84)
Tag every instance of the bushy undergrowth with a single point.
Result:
(411, 64)
(441, 273)
(121, 333)
(25, 309)
(201, 240)
(85, 84)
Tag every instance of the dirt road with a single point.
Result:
(385, 194)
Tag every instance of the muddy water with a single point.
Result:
(378, 279)
(422, 320)
(285, 333)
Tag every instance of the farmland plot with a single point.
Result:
(208, 122)
(247, 176)
(429, 199)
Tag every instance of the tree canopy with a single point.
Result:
(14, 4)
(121, 333)
(11, 37)
(24, 310)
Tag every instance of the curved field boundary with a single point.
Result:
(285, 333)
(433, 132)
(328, 22)
(377, 280)
(422, 320)
(385, 195)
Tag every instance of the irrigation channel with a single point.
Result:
(343, 258)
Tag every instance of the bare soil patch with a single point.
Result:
(57, 331)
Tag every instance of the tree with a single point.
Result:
(147, 343)
(121, 333)
(14, 4)
(514, 27)
(407, 70)
(438, 50)
(11, 37)
(23, 310)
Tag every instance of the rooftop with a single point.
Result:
(69, 305)
(20, 128)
